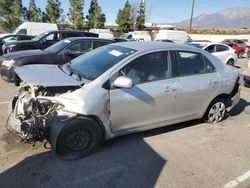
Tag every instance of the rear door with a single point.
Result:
(197, 84)
(152, 98)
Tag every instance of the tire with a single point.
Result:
(230, 62)
(216, 111)
(79, 138)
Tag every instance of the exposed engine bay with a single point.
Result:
(32, 110)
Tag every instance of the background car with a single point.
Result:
(44, 40)
(59, 53)
(164, 40)
(238, 45)
(119, 89)
(225, 53)
(13, 38)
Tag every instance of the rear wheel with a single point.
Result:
(79, 138)
(216, 111)
(230, 62)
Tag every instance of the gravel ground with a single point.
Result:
(190, 154)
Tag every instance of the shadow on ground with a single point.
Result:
(240, 107)
(127, 161)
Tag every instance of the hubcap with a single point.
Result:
(78, 139)
(217, 112)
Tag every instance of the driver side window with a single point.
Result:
(147, 68)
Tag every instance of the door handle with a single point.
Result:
(170, 89)
(213, 82)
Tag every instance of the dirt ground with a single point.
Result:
(191, 154)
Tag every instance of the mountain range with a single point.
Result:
(237, 17)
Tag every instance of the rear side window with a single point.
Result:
(221, 48)
(80, 47)
(147, 68)
(22, 32)
(86, 34)
(101, 43)
(239, 42)
(71, 34)
(210, 48)
(191, 63)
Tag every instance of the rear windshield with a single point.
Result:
(94, 63)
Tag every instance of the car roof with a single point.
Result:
(208, 43)
(147, 46)
(67, 31)
(72, 39)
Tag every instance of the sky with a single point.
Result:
(157, 11)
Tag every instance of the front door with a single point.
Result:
(151, 100)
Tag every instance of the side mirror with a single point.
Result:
(123, 82)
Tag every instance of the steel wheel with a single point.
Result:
(216, 112)
(78, 139)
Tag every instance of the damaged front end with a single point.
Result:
(31, 112)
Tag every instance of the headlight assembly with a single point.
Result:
(8, 63)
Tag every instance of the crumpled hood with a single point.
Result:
(45, 75)
(25, 53)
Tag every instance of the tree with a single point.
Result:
(140, 23)
(76, 13)
(95, 18)
(32, 12)
(53, 10)
(124, 20)
(10, 14)
(138, 16)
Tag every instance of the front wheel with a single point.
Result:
(216, 111)
(79, 138)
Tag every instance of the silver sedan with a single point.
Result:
(119, 89)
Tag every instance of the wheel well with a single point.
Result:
(223, 96)
(98, 120)
(229, 60)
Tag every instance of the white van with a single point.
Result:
(175, 36)
(33, 28)
(103, 33)
(140, 35)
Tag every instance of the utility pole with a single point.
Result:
(142, 7)
(191, 19)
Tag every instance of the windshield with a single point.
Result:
(38, 37)
(58, 46)
(197, 45)
(93, 64)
